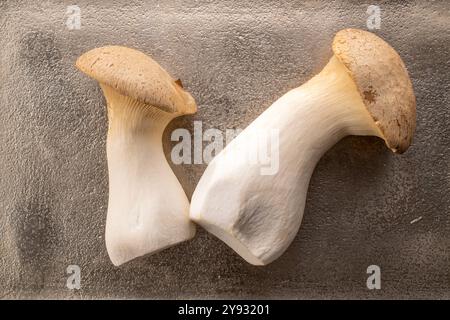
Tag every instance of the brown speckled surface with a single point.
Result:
(383, 83)
(235, 58)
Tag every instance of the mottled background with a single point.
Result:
(236, 58)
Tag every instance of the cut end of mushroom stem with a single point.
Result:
(147, 208)
(258, 215)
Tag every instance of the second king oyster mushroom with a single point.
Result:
(363, 90)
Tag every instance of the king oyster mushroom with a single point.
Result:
(363, 90)
(147, 208)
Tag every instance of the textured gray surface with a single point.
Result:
(235, 59)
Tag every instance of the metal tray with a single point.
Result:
(365, 205)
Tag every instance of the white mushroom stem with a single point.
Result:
(148, 209)
(259, 215)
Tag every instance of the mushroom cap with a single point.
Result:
(383, 83)
(136, 75)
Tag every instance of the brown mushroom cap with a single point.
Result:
(134, 74)
(383, 83)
